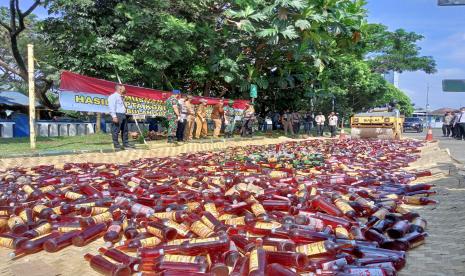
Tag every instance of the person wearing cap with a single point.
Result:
(201, 120)
(172, 114)
(229, 116)
(190, 119)
(217, 117)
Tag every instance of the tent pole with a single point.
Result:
(97, 125)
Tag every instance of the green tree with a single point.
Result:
(214, 48)
(395, 51)
(17, 29)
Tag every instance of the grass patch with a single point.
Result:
(17, 146)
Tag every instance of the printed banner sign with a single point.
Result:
(82, 93)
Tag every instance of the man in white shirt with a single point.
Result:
(182, 107)
(332, 122)
(320, 123)
(461, 124)
(119, 118)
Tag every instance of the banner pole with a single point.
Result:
(140, 131)
(32, 95)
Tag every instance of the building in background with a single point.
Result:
(392, 77)
(434, 117)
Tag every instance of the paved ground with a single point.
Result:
(443, 254)
(456, 147)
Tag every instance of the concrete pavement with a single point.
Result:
(456, 147)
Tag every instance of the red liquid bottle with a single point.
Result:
(43, 211)
(276, 269)
(257, 260)
(130, 229)
(305, 236)
(218, 266)
(134, 244)
(17, 225)
(57, 243)
(114, 232)
(33, 246)
(119, 256)
(41, 229)
(288, 259)
(399, 229)
(243, 244)
(241, 267)
(103, 266)
(11, 241)
(27, 215)
(160, 230)
(418, 225)
(321, 248)
(89, 234)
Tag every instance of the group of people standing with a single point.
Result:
(454, 124)
(183, 117)
(291, 122)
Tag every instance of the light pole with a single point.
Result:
(427, 105)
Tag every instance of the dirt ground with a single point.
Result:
(443, 253)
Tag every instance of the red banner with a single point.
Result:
(72, 82)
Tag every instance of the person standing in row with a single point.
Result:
(461, 124)
(286, 120)
(229, 119)
(172, 114)
(248, 120)
(190, 119)
(182, 118)
(119, 118)
(308, 122)
(296, 122)
(201, 120)
(217, 117)
(332, 122)
(446, 124)
(320, 123)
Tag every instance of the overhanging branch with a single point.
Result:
(7, 67)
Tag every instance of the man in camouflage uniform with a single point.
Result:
(229, 115)
(172, 115)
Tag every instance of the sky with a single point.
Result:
(444, 32)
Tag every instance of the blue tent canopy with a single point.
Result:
(11, 98)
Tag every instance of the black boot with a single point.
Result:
(170, 139)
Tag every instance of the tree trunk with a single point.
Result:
(17, 55)
(206, 89)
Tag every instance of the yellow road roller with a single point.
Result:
(379, 123)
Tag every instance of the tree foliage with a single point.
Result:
(17, 29)
(296, 51)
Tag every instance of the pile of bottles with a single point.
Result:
(296, 208)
